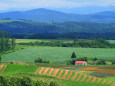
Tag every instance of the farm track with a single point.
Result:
(65, 74)
(3, 69)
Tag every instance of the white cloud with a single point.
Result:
(26, 4)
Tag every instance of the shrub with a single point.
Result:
(53, 84)
(39, 60)
(26, 81)
(101, 62)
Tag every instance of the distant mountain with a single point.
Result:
(46, 15)
(25, 26)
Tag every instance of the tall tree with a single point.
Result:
(73, 55)
(13, 43)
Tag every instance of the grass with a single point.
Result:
(16, 68)
(57, 54)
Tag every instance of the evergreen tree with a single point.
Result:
(73, 55)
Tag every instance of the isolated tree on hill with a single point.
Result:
(73, 55)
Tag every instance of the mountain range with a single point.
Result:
(46, 15)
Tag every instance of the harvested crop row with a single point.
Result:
(60, 73)
(66, 72)
(113, 72)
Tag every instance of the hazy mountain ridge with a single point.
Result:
(46, 15)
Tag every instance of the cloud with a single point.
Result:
(27, 4)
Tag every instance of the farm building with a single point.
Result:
(80, 63)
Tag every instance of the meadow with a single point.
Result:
(57, 54)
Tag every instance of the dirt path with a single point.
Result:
(99, 80)
(4, 69)
(66, 72)
(103, 81)
(60, 73)
(45, 71)
(79, 77)
(69, 75)
(41, 70)
(37, 71)
(84, 78)
(94, 79)
(51, 71)
(55, 72)
(113, 84)
(74, 76)
(109, 82)
(89, 78)
(1, 66)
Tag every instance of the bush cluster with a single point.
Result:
(39, 60)
(23, 81)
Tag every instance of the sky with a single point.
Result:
(68, 6)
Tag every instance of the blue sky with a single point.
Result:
(70, 6)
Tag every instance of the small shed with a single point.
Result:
(80, 63)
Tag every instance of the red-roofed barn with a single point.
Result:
(80, 63)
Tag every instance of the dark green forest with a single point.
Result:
(26, 26)
(51, 30)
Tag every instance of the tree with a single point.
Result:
(73, 55)
(13, 43)
(95, 59)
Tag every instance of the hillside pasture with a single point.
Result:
(57, 54)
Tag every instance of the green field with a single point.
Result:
(57, 54)
(16, 68)
(47, 40)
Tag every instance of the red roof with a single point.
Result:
(80, 62)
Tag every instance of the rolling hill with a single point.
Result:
(26, 26)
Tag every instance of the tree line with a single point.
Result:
(6, 43)
(99, 43)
